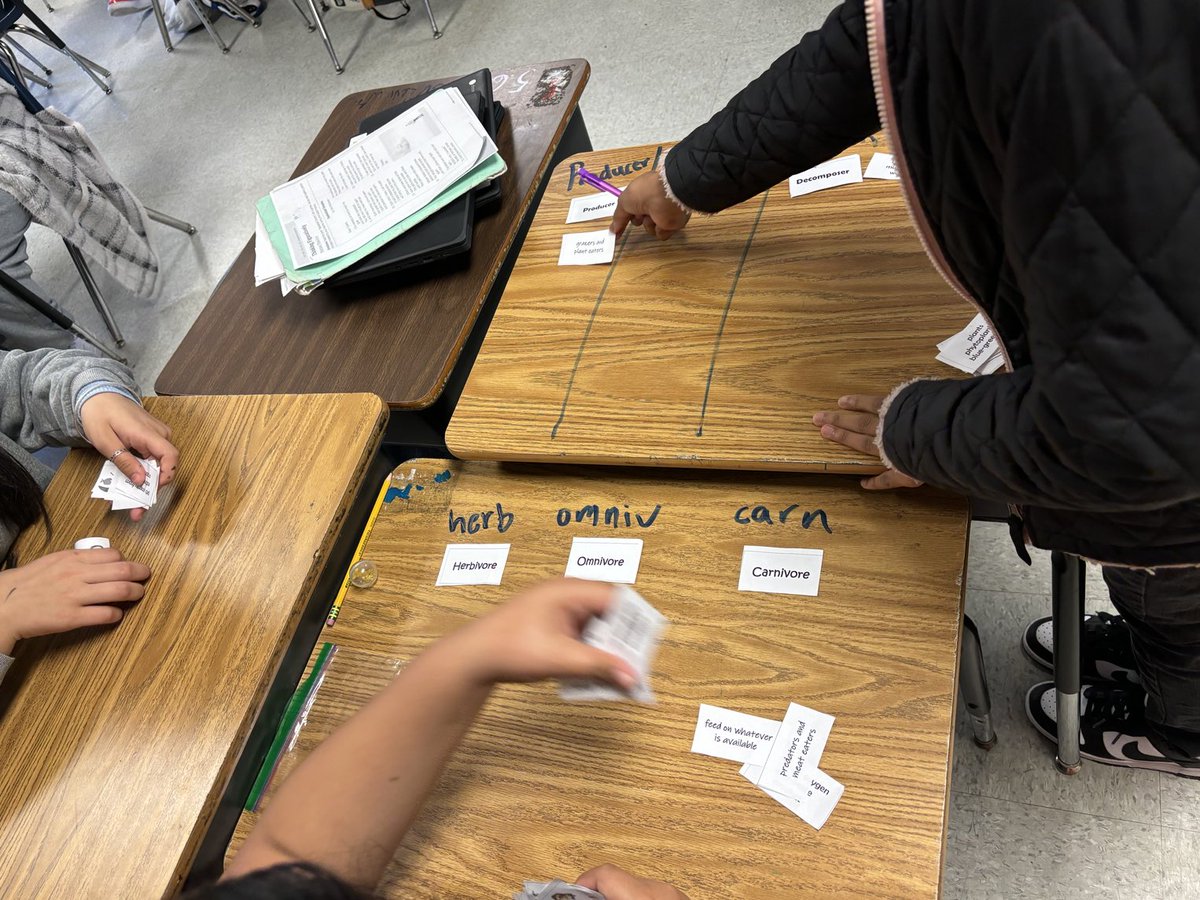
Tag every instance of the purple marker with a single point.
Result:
(598, 183)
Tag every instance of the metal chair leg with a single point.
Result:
(29, 56)
(316, 11)
(156, 5)
(164, 219)
(55, 315)
(234, 11)
(437, 32)
(19, 70)
(42, 33)
(303, 15)
(972, 684)
(93, 290)
(212, 32)
(1067, 588)
(49, 8)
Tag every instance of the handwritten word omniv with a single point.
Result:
(613, 515)
(474, 522)
(746, 515)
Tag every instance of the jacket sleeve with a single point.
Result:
(814, 101)
(41, 392)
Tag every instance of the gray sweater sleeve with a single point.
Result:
(40, 392)
(5, 662)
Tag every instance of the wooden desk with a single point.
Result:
(399, 337)
(117, 743)
(542, 788)
(714, 348)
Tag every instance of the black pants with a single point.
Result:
(1162, 610)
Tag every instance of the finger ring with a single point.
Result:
(116, 453)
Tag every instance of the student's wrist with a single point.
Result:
(8, 642)
(463, 657)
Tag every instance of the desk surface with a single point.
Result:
(714, 348)
(394, 337)
(117, 742)
(542, 788)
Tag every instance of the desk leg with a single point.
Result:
(1067, 579)
(972, 684)
(156, 5)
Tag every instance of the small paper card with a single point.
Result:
(473, 564)
(843, 170)
(727, 734)
(781, 570)
(796, 751)
(587, 248)
(822, 796)
(591, 206)
(882, 165)
(970, 349)
(614, 560)
(629, 629)
(113, 485)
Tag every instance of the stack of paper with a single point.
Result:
(779, 757)
(973, 350)
(373, 191)
(114, 485)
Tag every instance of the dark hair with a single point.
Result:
(21, 502)
(287, 881)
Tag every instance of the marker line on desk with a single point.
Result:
(725, 313)
(562, 413)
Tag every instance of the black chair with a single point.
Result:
(11, 14)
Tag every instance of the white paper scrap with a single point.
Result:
(472, 564)
(796, 751)
(822, 795)
(614, 560)
(781, 570)
(727, 734)
(882, 165)
(587, 248)
(835, 172)
(591, 206)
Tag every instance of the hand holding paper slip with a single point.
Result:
(629, 629)
(379, 187)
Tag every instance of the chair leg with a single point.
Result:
(19, 70)
(93, 290)
(437, 32)
(1067, 587)
(49, 8)
(972, 684)
(316, 11)
(164, 219)
(29, 56)
(303, 15)
(93, 70)
(212, 32)
(156, 5)
(234, 11)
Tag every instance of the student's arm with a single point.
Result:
(347, 807)
(813, 102)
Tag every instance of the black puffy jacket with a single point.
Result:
(1050, 150)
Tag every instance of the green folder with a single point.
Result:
(310, 278)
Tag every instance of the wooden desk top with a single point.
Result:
(396, 338)
(714, 348)
(117, 742)
(543, 788)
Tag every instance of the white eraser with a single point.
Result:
(92, 543)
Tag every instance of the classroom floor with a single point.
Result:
(201, 136)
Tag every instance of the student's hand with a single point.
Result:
(617, 884)
(645, 202)
(112, 422)
(66, 590)
(855, 428)
(536, 636)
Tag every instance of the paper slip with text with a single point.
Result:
(796, 751)
(882, 165)
(727, 734)
(473, 564)
(587, 248)
(591, 206)
(973, 350)
(781, 570)
(378, 188)
(614, 560)
(843, 170)
(629, 629)
(114, 486)
(821, 795)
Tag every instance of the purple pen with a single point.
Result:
(598, 183)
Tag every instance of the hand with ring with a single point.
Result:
(120, 430)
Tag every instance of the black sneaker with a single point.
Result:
(1107, 653)
(1113, 729)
